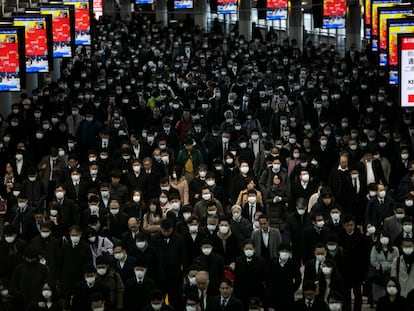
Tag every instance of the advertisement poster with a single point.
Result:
(395, 27)
(406, 70)
(385, 14)
(226, 6)
(144, 1)
(97, 8)
(82, 21)
(62, 32)
(183, 4)
(10, 69)
(369, 14)
(367, 19)
(334, 14)
(36, 42)
(276, 9)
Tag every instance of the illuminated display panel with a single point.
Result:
(82, 21)
(226, 6)
(334, 14)
(276, 9)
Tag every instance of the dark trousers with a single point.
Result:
(355, 287)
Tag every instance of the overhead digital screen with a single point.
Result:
(97, 8)
(334, 14)
(395, 27)
(183, 4)
(144, 1)
(82, 21)
(63, 29)
(276, 9)
(38, 41)
(226, 6)
(385, 14)
(374, 19)
(12, 60)
(369, 14)
(406, 69)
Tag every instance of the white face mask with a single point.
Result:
(320, 258)
(47, 293)
(163, 200)
(9, 239)
(371, 230)
(248, 253)
(90, 280)
(101, 271)
(335, 307)
(193, 228)
(206, 250)
(301, 211)
(284, 255)
(407, 228)
(244, 169)
(252, 200)
(206, 197)
(327, 270)
(140, 274)
(157, 306)
(45, 235)
(224, 229)
(211, 227)
(407, 250)
(136, 198)
(190, 308)
(331, 247)
(392, 290)
(75, 239)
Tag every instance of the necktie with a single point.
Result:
(309, 305)
(320, 267)
(202, 301)
(223, 303)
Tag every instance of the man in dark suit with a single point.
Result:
(250, 208)
(76, 188)
(152, 178)
(170, 248)
(69, 207)
(296, 222)
(379, 207)
(225, 301)
(313, 235)
(122, 263)
(313, 267)
(248, 270)
(116, 222)
(355, 266)
(310, 302)
(370, 167)
(138, 288)
(267, 239)
(303, 188)
(282, 279)
(135, 179)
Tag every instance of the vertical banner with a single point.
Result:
(38, 41)
(334, 14)
(226, 6)
(369, 14)
(276, 9)
(395, 27)
(375, 4)
(12, 59)
(385, 14)
(367, 19)
(82, 21)
(63, 29)
(406, 69)
(97, 8)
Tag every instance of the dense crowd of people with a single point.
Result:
(175, 168)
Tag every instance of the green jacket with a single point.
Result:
(196, 158)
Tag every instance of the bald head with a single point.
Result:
(202, 280)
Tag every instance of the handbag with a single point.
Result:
(3, 206)
(377, 276)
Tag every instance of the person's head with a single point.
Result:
(89, 274)
(45, 229)
(349, 224)
(119, 251)
(167, 227)
(343, 161)
(399, 211)
(318, 220)
(191, 274)
(285, 251)
(206, 193)
(407, 246)
(157, 299)
(9, 233)
(206, 246)
(31, 255)
(393, 287)
(251, 196)
(202, 280)
(97, 301)
(309, 290)
(140, 268)
(133, 224)
(224, 225)
(102, 265)
(114, 207)
(264, 223)
(320, 251)
(332, 242)
(335, 301)
(226, 288)
(75, 234)
(192, 302)
(301, 206)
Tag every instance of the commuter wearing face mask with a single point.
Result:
(11, 251)
(212, 263)
(393, 224)
(170, 248)
(313, 235)
(116, 221)
(48, 249)
(238, 181)
(48, 300)
(22, 215)
(87, 132)
(399, 167)
(407, 230)
(248, 270)
(225, 242)
(402, 267)
(379, 207)
(75, 253)
(157, 302)
(28, 278)
(303, 188)
(76, 188)
(393, 299)
(355, 267)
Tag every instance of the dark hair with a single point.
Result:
(227, 281)
(167, 224)
(156, 294)
(248, 241)
(378, 245)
